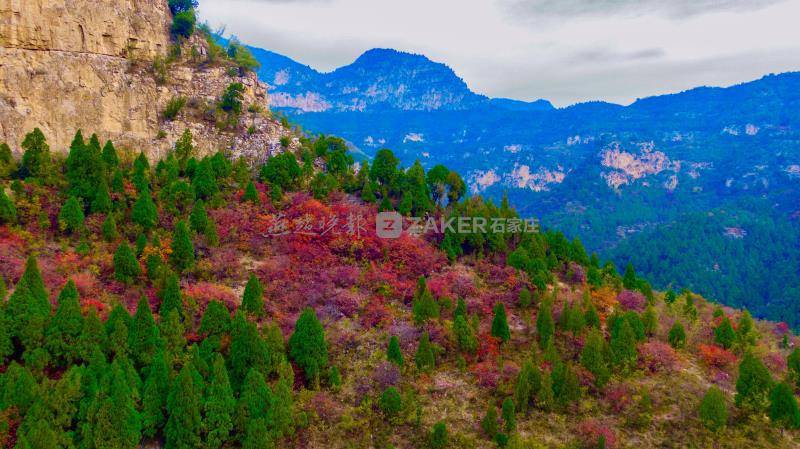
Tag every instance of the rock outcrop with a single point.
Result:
(82, 64)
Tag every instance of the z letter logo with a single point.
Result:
(389, 225)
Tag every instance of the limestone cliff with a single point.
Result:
(83, 64)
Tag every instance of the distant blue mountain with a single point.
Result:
(702, 186)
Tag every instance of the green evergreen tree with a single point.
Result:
(247, 350)
(126, 267)
(171, 330)
(566, 386)
(500, 323)
(144, 211)
(203, 182)
(461, 309)
(184, 405)
(307, 346)
(746, 334)
(424, 357)
(109, 228)
(141, 173)
(198, 220)
(724, 334)
(8, 212)
(623, 346)
(509, 415)
(753, 384)
(216, 319)
(629, 279)
(465, 337)
(524, 298)
(489, 422)
(117, 424)
(253, 297)
(593, 358)
(8, 165)
(71, 217)
(253, 404)
(423, 306)
(528, 382)
(154, 396)
(36, 158)
(793, 366)
(92, 336)
(171, 298)
(439, 438)
(367, 192)
(393, 353)
(251, 194)
(670, 297)
(143, 338)
(219, 406)
(109, 156)
(182, 255)
(65, 327)
(545, 326)
(783, 410)
(677, 336)
(650, 320)
(390, 402)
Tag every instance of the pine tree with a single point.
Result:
(724, 334)
(677, 336)
(280, 415)
(247, 350)
(6, 345)
(566, 386)
(219, 406)
(793, 366)
(203, 181)
(92, 336)
(253, 297)
(198, 220)
(216, 319)
(424, 307)
(71, 217)
(8, 165)
(745, 331)
(183, 429)
(544, 323)
(65, 327)
(438, 438)
(109, 228)
(109, 156)
(526, 386)
(500, 323)
(390, 402)
(670, 297)
(117, 423)
(593, 358)
(650, 320)
(141, 173)
(307, 346)
(251, 194)
(36, 159)
(8, 212)
(126, 267)
(171, 330)
(154, 396)
(182, 256)
(629, 280)
(783, 410)
(144, 211)
(465, 337)
(753, 384)
(461, 309)
(489, 422)
(171, 298)
(591, 317)
(253, 403)
(367, 192)
(102, 199)
(424, 357)
(509, 415)
(623, 346)
(393, 353)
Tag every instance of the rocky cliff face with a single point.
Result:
(81, 64)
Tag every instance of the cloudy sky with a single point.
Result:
(562, 50)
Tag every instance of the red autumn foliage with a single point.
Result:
(204, 292)
(657, 356)
(631, 300)
(716, 356)
(590, 430)
(619, 397)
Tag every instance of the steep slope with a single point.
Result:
(108, 63)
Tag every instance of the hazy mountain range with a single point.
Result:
(713, 172)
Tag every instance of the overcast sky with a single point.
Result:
(565, 51)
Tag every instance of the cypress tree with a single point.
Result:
(390, 402)
(71, 217)
(65, 327)
(8, 212)
(424, 357)
(247, 350)
(465, 337)
(182, 256)
(183, 429)
(500, 323)
(724, 334)
(144, 211)
(219, 406)
(251, 194)
(171, 298)
(143, 338)
(489, 422)
(438, 437)
(36, 159)
(172, 332)
(650, 320)
(102, 199)
(6, 345)
(307, 346)
(154, 396)
(623, 346)
(753, 384)
(424, 307)
(544, 323)
(198, 219)
(591, 317)
(253, 297)
(253, 403)
(367, 192)
(117, 424)
(117, 328)
(141, 173)
(203, 181)
(109, 228)
(109, 156)
(670, 297)
(216, 319)
(509, 415)
(126, 267)
(566, 386)
(525, 389)
(524, 298)
(280, 415)
(92, 336)
(793, 366)
(593, 358)
(783, 410)
(745, 331)
(677, 336)
(393, 353)
(461, 309)
(629, 280)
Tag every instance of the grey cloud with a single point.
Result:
(550, 9)
(596, 55)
